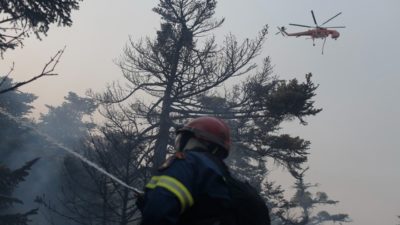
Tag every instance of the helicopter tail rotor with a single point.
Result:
(282, 31)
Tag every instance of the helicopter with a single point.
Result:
(317, 31)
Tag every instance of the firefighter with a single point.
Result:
(191, 187)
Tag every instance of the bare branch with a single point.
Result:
(48, 70)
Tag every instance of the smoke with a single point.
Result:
(45, 178)
(70, 151)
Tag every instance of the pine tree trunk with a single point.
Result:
(160, 151)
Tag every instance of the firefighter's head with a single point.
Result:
(207, 132)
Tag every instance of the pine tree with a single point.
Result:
(9, 180)
(178, 66)
(65, 123)
(181, 69)
(305, 201)
(13, 136)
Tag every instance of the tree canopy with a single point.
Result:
(21, 18)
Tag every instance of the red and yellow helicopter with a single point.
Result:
(318, 31)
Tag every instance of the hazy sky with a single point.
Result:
(355, 153)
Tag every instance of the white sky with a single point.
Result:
(355, 153)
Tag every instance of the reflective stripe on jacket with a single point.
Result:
(174, 186)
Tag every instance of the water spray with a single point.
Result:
(72, 152)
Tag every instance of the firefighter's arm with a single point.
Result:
(169, 194)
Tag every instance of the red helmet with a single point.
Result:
(210, 129)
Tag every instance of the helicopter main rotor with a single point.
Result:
(316, 24)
